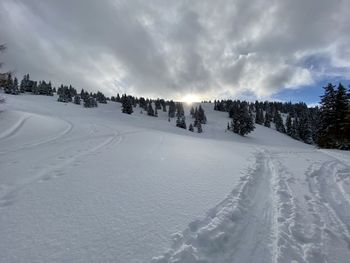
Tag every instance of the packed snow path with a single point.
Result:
(275, 214)
(96, 185)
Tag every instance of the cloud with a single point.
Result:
(172, 48)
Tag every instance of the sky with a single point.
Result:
(257, 49)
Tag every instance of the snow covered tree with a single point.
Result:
(200, 115)
(192, 112)
(172, 109)
(199, 128)
(150, 111)
(126, 104)
(267, 122)
(259, 116)
(77, 99)
(289, 125)
(342, 111)
(327, 124)
(279, 122)
(101, 98)
(304, 128)
(180, 122)
(179, 109)
(2, 102)
(190, 128)
(242, 120)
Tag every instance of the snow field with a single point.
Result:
(96, 185)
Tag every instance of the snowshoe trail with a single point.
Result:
(264, 219)
(242, 228)
(329, 185)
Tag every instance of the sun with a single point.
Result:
(190, 98)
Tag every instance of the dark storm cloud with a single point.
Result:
(171, 48)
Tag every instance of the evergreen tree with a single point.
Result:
(341, 133)
(87, 101)
(192, 112)
(77, 99)
(199, 128)
(327, 123)
(126, 105)
(15, 90)
(259, 116)
(100, 97)
(294, 129)
(172, 109)
(200, 115)
(180, 122)
(304, 129)
(9, 84)
(267, 122)
(289, 125)
(150, 111)
(279, 122)
(242, 120)
(190, 128)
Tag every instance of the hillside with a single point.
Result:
(97, 185)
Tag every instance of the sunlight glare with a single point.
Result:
(190, 98)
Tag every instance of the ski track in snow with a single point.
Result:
(15, 128)
(37, 143)
(292, 204)
(329, 198)
(8, 194)
(262, 219)
(241, 227)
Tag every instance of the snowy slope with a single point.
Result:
(96, 185)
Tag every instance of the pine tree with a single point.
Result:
(9, 84)
(289, 125)
(77, 99)
(304, 128)
(190, 128)
(126, 105)
(294, 129)
(180, 122)
(259, 116)
(172, 109)
(150, 111)
(199, 128)
(327, 123)
(15, 90)
(242, 120)
(341, 117)
(200, 115)
(192, 112)
(279, 122)
(267, 122)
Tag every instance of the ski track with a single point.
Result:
(262, 220)
(329, 198)
(39, 142)
(15, 128)
(8, 195)
(275, 213)
(240, 229)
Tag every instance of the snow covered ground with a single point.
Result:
(96, 185)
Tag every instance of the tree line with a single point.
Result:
(327, 126)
